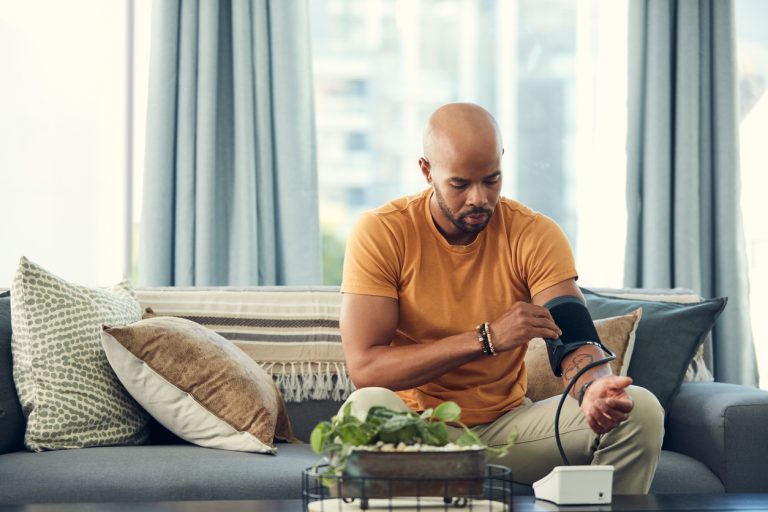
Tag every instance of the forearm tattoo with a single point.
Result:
(578, 362)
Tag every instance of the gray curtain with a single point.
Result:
(230, 181)
(683, 197)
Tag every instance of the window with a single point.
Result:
(357, 141)
(66, 130)
(552, 71)
(752, 40)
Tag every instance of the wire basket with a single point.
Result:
(323, 492)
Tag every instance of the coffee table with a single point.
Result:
(629, 503)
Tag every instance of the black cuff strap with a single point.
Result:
(573, 318)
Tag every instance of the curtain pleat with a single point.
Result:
(683, 197)
(230, 182)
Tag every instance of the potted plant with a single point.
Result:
(394, 453)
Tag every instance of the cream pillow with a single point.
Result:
(66, 387)
(617, 333)
(199, 385)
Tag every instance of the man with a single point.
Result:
(420, 274)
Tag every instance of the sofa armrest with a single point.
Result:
(721, 425)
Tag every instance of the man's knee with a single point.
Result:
(633, 448)
(646, 421)
(365, 398)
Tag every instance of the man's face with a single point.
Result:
(467, 193)
(468, 218)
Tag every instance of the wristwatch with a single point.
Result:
(583, 390)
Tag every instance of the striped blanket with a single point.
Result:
(292, 332)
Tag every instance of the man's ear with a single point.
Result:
(425, 169)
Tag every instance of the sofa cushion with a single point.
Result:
(12, 422)
(616, 333)
(188, 472)
(67, 389)
(197, 384)
(698, 370)
(667, 338)
(681, 474)
(152, 473)
(307, 414)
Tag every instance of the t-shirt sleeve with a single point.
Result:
(547, 258)
(372, 260)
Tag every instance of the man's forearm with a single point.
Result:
(408, 366)
(577, 360)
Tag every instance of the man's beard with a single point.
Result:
(458, 220)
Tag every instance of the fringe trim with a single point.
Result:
(299, 381)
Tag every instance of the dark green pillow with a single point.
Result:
(667, 338)
(12, 422)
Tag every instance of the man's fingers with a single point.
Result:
(537, 322)
(540, 313)
(623, 405)
(620, 383)
(546, 333)
(607, 413)
(613, 414)
(600, 424)
(546, 326)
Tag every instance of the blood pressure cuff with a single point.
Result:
(571, 315)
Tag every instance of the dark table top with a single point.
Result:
(634, 503)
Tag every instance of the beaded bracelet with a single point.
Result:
(484, 337)
(490, 339)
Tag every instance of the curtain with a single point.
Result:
(230, 181)
(683, 197)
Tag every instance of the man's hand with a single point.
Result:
(521, 323)
(606, 403)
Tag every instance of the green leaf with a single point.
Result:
(381, 413)
(353, 434)
(438, 433)
(427, 414)
(447, 411)
(468, 438)
(319, 436)
(399, 422)
(501, 451)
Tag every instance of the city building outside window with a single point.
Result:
(553, 72)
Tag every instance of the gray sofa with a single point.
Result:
(710, 447)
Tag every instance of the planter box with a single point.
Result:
(372, 474)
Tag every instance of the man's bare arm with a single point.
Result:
(582, 356)
(368, 325)
(606, 404)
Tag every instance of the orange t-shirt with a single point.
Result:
(396, 251)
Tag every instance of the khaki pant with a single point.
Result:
(632, 448)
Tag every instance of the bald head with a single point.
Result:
(462, 163)
(461, 131)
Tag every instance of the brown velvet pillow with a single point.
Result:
(198, 384)
(617, 333)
